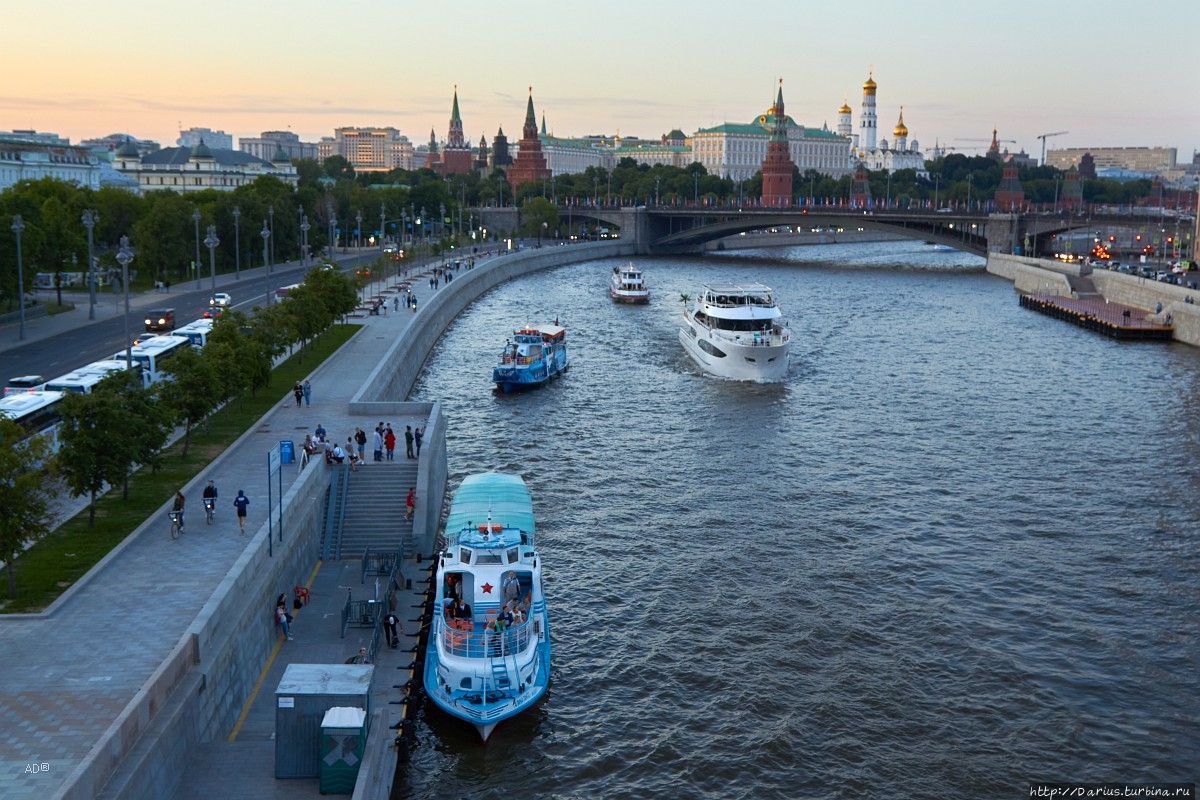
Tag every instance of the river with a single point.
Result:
(954, 553)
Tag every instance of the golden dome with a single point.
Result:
(901, 129)
(845, 109)
(869, 84)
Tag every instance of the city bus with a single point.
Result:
(196, 332)
(84, 379)
(36, 412)
(25, 383)
(152, 354)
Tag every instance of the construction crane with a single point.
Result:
(1046, 136)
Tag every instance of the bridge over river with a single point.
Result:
(669, 229)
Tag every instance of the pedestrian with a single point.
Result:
(320, 433)
(360, 438)
(417, 436)
(298, 393)
(410, 503)
(167, 284)
(240, 502)
(307, 393)
(392, 629)
(378, 444)
(283, 617)
(396, 304)
(389, 441)
(408, 441)
(361, 658)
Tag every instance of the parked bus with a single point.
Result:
(152, 353)
(196, 332)
(84, 379)
(36, 412)
(25, 383)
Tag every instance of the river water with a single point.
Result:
(954, 553)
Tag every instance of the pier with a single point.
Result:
(1097, 314)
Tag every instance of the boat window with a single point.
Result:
(464, 555)
(488, 558)
(512, 554)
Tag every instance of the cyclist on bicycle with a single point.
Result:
(210, 497)
(177, 508)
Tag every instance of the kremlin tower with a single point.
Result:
(777, 166)
(866, 122)
(456, 155)
(900, 132)
(845, 127)
(530, 164)
(432, 160)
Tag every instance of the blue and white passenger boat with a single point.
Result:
(534, 355)
(480, 666)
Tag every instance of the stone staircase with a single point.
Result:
(375, 507)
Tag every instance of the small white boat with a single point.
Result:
(475, 669)
(628, 285)
(736, 331)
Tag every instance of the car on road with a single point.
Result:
(160, 319)
(145, 337)
(220, 299)
(214, 312)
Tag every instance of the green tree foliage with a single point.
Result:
(25, 493)
(95, 448)
(193, 391)
(538, 215)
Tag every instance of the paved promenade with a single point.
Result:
(68, 674)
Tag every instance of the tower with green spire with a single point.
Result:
(456, 155)
(530, 163)
(777, 165)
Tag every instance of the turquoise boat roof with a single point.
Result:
(504, 496)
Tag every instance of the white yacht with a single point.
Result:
(735, 330)
(628, 285)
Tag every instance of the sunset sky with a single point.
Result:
(1112, 74)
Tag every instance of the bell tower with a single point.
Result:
(777, 166)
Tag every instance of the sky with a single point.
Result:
(1095, 70)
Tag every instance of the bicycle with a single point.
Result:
(209, 509)
(176, 523)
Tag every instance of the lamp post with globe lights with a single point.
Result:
(211, 241)
(90, 218)
(124, 256)
(17, 227)
(271, 215)
(196, 263)
(237, 245)
(304, 228)
(266, 237)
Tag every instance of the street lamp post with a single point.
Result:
(382, 224)
(271, 214)
(266, 237)
(304, 228)
(196, 263)
(211, 241)
(970, 177)
(89, 221)
(696, 188)
(300, 236)
(17, 227)
(358, 228)
(657, 178)
(124, 256)
(237, 245)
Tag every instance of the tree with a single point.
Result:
(536, 212)
(194, 391)
(25, 493)
(92, 453)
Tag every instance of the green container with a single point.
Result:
(343, 739)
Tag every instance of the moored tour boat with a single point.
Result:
(481, 665)
(736, 331)
(628, 285)
(534, 355)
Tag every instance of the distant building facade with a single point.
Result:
(36, 157)
(456, 155)
(368, 149)
(194, 169)
(217, 140)
(736, 150)
(1154, 160)
(874, 153)
(266, 145)
(112, 142)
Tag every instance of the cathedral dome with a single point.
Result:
(127, 150)
(869, 85)
(845, 109)
(901, 129)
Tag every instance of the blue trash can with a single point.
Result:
(287, 451)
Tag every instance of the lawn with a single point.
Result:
(53, 564)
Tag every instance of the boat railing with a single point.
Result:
(772, 338)
(486, 643)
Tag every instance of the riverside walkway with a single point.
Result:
(83, 682)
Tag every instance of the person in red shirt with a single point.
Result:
(410, 504)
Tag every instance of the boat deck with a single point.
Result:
(1097, 314)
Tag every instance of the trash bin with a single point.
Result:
(343, 739)
(287, 451)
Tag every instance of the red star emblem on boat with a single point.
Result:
(487, 588)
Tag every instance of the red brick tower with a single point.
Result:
(777, 166)
(530, 164)
(1009, 194)
(433, 161)
(456, 155)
